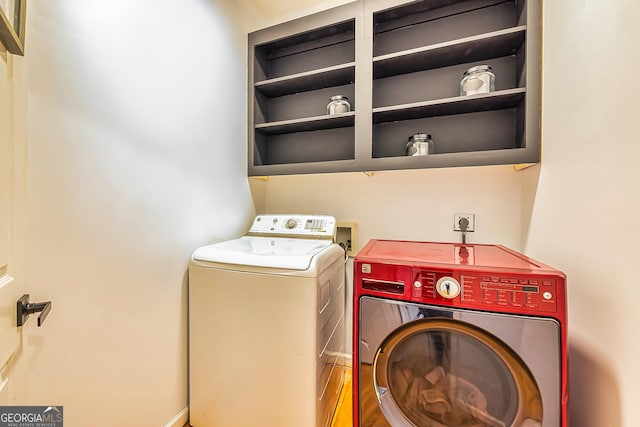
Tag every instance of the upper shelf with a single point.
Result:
(457, 105)
(310, 39)
(476, 48)
(310, 80)
(307, 124)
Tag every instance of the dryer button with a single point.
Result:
(417, 289)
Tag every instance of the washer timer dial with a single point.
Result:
(291, 224)
(448, 287)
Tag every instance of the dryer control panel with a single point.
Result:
(309, 226)
(478, 277)
(484, 290)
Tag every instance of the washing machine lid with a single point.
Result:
(272, 252)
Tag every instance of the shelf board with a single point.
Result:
(303, 167)
(311, 80)
(443, 107)
(307, 124)
(476, 48)
(465, 158)
(368, 166)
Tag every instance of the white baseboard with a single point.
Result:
(180, 420)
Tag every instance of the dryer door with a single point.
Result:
(442, 371)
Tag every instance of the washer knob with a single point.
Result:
(291, 224)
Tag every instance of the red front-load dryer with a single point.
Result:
(457, 335)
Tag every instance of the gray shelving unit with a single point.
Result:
(400, 63)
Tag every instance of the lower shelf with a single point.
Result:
(471, 132)
(303, 147)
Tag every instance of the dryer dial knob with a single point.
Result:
(291, 224)
(448, 287)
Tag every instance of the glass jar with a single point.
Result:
(338, 104)
(478, 79)
(419, 144)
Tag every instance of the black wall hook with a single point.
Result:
(25, 308)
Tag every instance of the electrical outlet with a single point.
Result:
(469, 216)
(347, 236)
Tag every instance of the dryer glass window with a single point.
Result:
(440, 371)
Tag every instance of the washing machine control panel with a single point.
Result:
(311, 226)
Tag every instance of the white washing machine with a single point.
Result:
(266, 325)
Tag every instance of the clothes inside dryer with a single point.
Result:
(445, 375)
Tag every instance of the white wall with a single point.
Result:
(585, 196)
(136, 156)
(416, 204)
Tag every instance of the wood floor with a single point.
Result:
(343, 415)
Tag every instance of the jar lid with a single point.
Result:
(338, 98)
(419, 137)
(478, 69)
